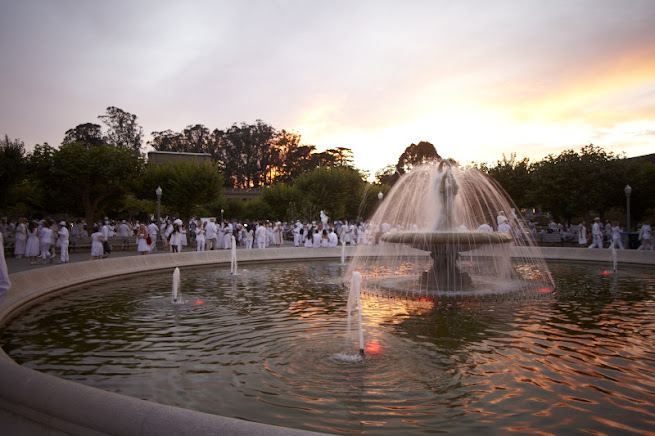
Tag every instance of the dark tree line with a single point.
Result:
(252, 155)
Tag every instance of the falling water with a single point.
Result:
(443, 205)
(177, 296)
(233, 261)
(614, 258)
(354, 302)
(343, 252)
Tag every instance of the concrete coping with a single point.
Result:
(32, 402)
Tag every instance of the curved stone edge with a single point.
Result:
(32, 402)
(35, 403)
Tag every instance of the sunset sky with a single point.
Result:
(478, 79)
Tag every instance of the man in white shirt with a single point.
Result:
(152, 232)
(63, 242)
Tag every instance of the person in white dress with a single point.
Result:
(279, 234)
(63, 242)
(97, 239)
(20, 238)
(582, 233)
(250, 236)
(5, 284)
(228, 230)
(45, 240)
(200, 236)
(646, 237)
(142, 236)
(32, 244)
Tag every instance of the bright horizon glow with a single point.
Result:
(477, 80)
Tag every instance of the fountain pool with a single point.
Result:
(269, 345)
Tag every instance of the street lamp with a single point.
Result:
(380, 196)
(158, 191)
(222, 216)
(628, 191)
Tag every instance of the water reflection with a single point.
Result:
(262, 347)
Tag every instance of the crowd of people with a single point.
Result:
(39, 241)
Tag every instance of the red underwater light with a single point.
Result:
(198, 302)
(373, 348)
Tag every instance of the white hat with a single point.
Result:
(62, 223)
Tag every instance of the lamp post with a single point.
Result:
(380, 196)
(628, 191)
(222, 216)
(158, 191)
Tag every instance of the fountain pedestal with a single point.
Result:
(444, 248)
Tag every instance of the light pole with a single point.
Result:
(222, 216)
(380, 196)
(628, 191)
(158, 191)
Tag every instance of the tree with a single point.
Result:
(416, 154)
(337, 191)
(91, 175)
(123, 131)
(281, 199)
(387, 175)
(515, 176)
(168, 140)
(574, 185)
(88, 134)
(185, 185)
(12, 166)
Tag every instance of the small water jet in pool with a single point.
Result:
(175, 290)
(355, 303)
(233, 258)
(446, 210)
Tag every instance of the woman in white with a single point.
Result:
(45, 240)
(646, 237)
(582, 233)
(309, 237)
(250, 235)
(317, 237)
(174, 239)
(183, 240)
(32, 244)
(200, 237)
(96, 243)
(142, 240)
(20, 237)
(279, 233)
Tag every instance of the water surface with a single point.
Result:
(270, 345)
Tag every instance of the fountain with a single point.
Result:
(175, 288)
(442, 209)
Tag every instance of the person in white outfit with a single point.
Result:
(45, 240)
(250, 236)
(596, 234)
(200, 237)
(582, 233)
(5, 284)
(20, 238)
(63, 242)
(152, 231)
(333, 239)
(260, 236)
(646, 237)
(616, 237)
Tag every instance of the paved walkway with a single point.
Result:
(19, 265)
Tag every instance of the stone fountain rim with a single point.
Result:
(463, 239)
